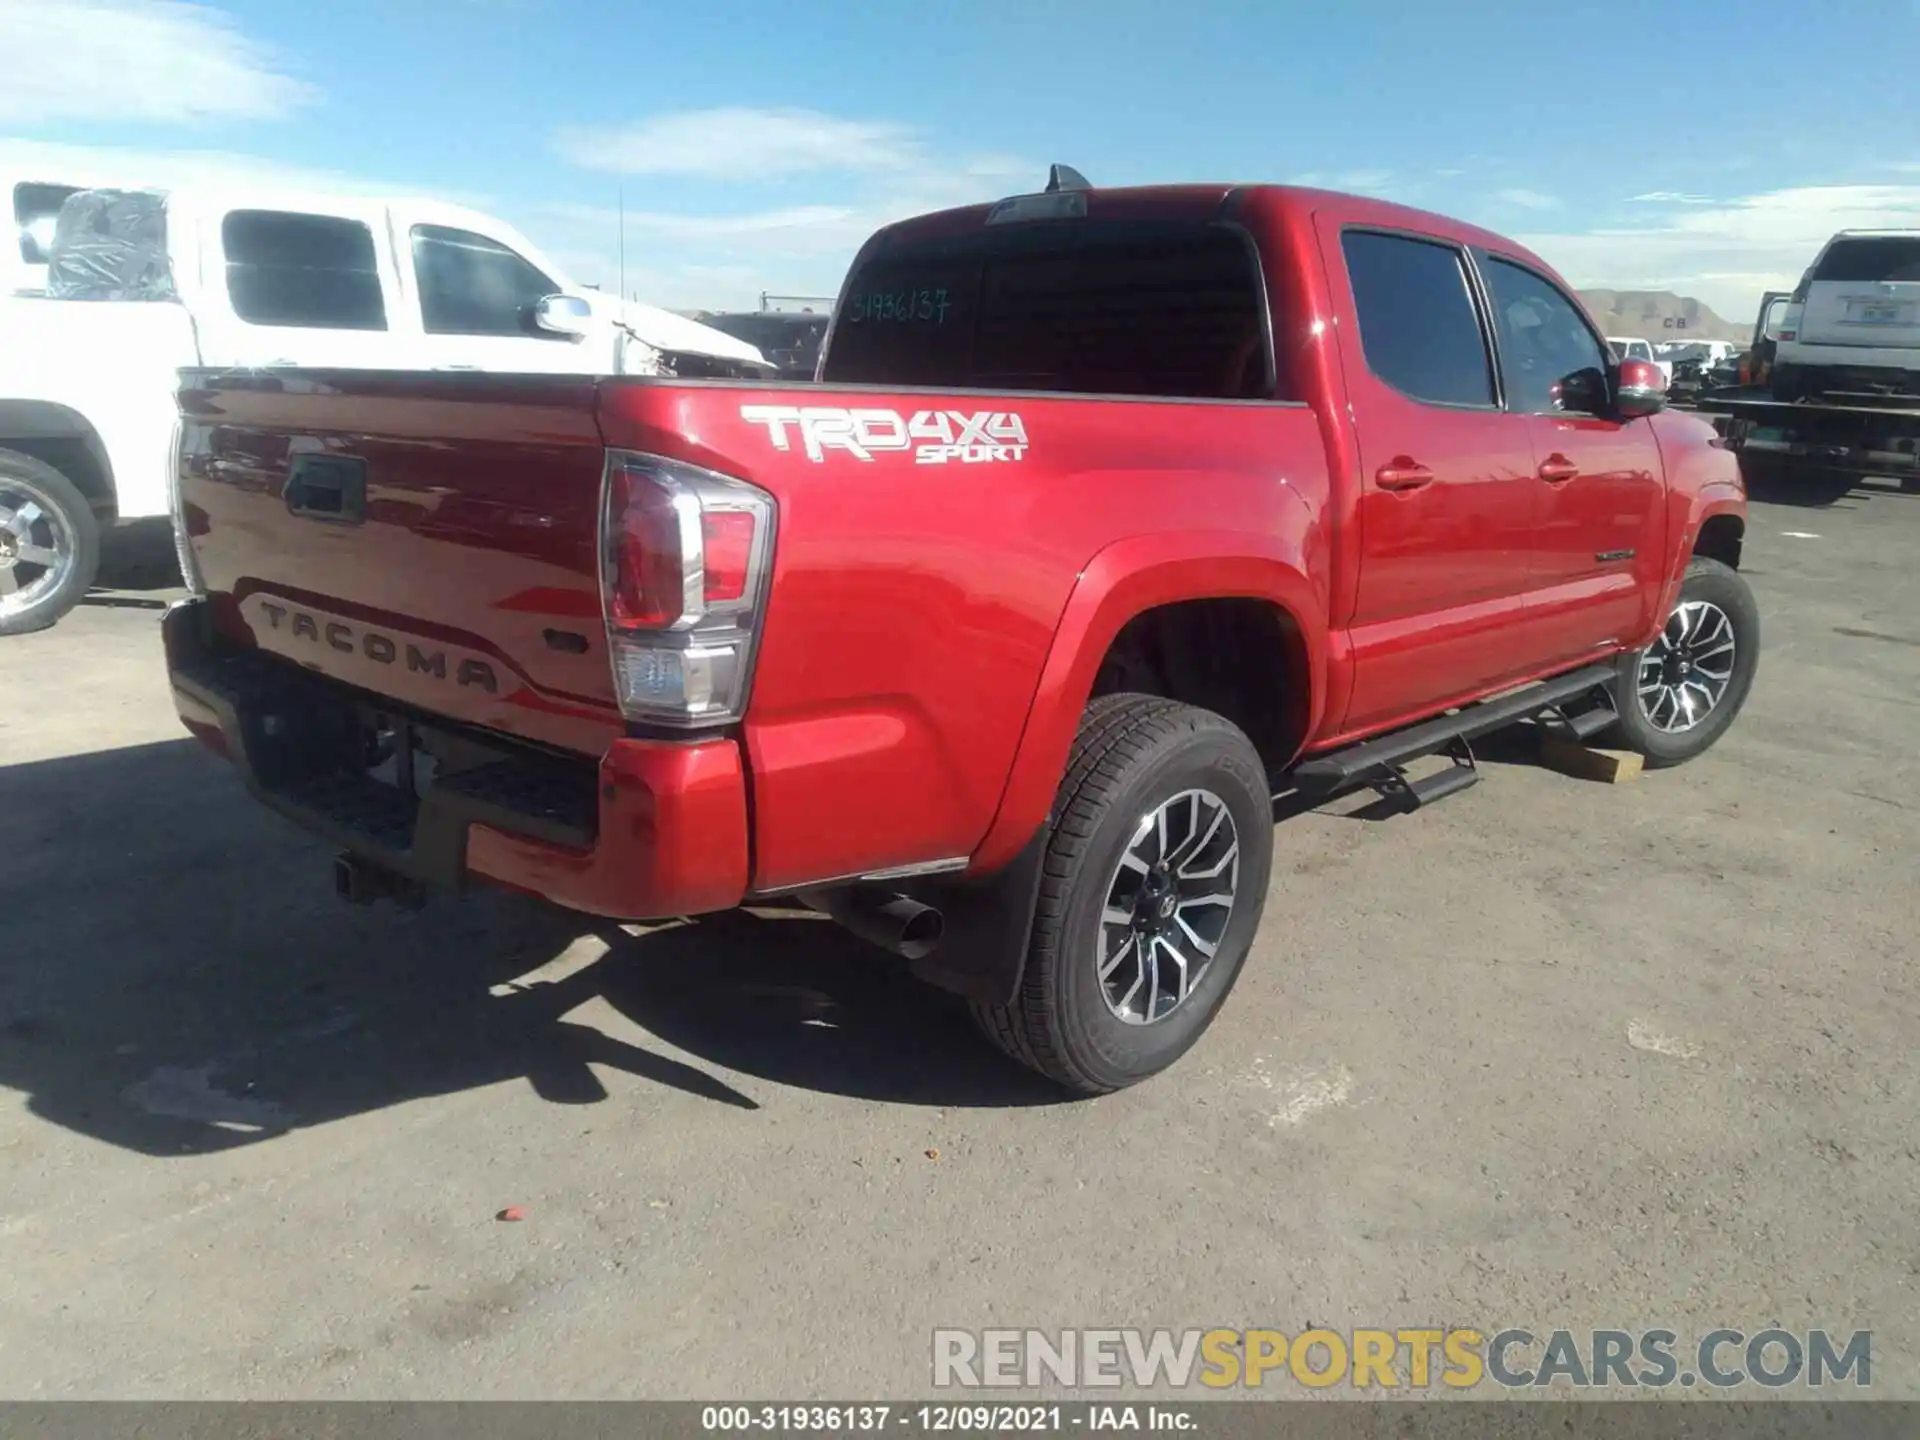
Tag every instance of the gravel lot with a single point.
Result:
(1552, 1053)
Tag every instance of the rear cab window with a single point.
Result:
(1162, 308)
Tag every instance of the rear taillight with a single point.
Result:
(177, 515)
(685, 557)
(728, 536)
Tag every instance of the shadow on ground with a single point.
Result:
(1817, 492)
(138, 556)
(176, 976)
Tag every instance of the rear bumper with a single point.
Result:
(653, 829)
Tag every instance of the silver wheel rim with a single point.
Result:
(1684, 674)
(1168, 904)
(36, 546)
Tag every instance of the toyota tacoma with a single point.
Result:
(1112, 515)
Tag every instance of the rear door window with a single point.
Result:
(308, 271)
(1418, 326)
(1870, 260)
(1163, 309)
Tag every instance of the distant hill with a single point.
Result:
(1661, 315)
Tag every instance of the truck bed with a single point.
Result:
(431, 543)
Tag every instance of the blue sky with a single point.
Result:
(1705, 147)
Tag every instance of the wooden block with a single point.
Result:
(1570, 757)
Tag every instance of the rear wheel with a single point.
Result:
(1679, 695)
(49, 544)
(1156, 875)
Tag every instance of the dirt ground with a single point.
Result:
(1548, 1054)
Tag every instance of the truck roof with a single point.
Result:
(1204, 201)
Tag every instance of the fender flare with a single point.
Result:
(1720, 497)
(1123, 580)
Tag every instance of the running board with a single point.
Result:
(1585, 724)
(1378, 762)
(1394, 783)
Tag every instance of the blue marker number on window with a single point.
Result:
(928, 306)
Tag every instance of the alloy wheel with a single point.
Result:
(1685, 673)
(36, 546)
(1168, 904)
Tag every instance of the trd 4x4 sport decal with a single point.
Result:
(934, 436)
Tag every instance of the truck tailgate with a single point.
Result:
(429, 538)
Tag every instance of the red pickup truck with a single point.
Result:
(1112, 515)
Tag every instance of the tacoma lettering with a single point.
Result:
(381, 649)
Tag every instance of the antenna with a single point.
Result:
(620, 192)
(1065, 177)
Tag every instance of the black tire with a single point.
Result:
(1716, 585)
(1133, 754)
(60, 522)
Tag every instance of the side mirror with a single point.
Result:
(1584, 392)
(1640, 390)
(563, 315)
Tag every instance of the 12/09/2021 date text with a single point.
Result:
(942, 1419)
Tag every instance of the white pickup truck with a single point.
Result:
(138, 284)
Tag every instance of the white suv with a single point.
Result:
(1854, 321)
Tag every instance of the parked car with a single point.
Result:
(1853, 323)
(1115, 512)
(138, 284)
(1704, 353)
(789, 339)
(1630, 348)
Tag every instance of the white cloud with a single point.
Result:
(155, 61)
(58, 163)
(709, 260)
(1669, 197)
(1728, 251)
(806, 221)
(1528, 199)
(741, 144)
